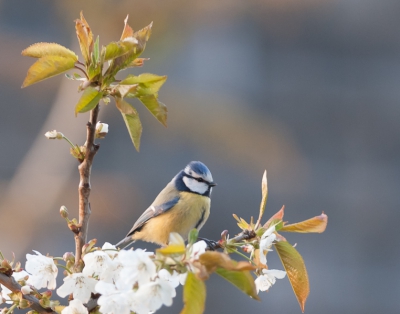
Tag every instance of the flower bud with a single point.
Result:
(26, 289)
(47, 294)
(64, 212)
(69, 256)
(52, 135)
(101, 130)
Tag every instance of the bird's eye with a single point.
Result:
(200, 179)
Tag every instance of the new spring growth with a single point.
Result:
(53, 135)
(101, 130)
(64, 212)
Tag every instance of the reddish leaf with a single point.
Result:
(214, 260)
(316, 224)
(85, 38)
(277, 216)
(296, 271)
(128, 31)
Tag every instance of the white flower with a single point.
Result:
(4, 295)
(114, 301)
(42, 269)
(173, 279)
(112, 273)
(155, 293)
(80, 285)
(95, 263)
(110, 249)
(197, 249)
(137, 267)
(101, 130)
(52, 135)
(75, 307)
(268, 278)
(266, 242)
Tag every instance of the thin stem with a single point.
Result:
(84, 187)
(62, 266)
(70, 143)
(82, 70)
(242, 255)
(11, 309)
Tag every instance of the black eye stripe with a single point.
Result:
(197, 179)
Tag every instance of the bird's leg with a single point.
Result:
(211, 244)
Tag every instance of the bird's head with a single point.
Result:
(195, 178)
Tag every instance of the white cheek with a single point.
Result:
(195, 186)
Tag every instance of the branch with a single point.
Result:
(14, 286)
(84, 186)
(214, 245)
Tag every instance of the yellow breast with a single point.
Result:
(190, 212)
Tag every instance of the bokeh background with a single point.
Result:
(308, 90)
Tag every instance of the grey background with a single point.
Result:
(305, 89)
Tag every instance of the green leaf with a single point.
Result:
(132, 121)
(46, 67)
(40, 50)
(243, 280)
(194, 295)
(316, 224)
(158, 109)
(89, 99)
(126, 59)
(96, 51)
(193, 235)
(296, 271)
(118, 49)
(149, 84)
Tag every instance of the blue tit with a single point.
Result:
(182, 205)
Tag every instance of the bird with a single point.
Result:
(182, 205)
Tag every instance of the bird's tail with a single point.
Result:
(124, 243)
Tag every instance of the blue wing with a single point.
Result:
(152, 211)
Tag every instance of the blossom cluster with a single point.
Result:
(128, 280)
(266, 277)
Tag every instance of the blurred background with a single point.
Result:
(308, 90)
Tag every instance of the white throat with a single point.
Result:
(195, 186)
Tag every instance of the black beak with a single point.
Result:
(212, 184)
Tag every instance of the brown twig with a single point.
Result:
(84, 186)
(14, 286)
(214, 245)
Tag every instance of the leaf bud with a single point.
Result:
(23, 304)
